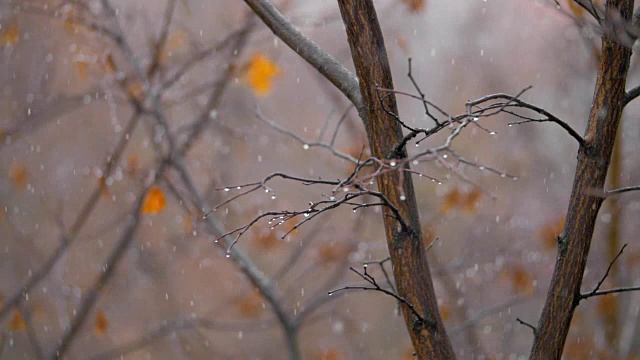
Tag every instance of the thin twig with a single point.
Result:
(533, 328)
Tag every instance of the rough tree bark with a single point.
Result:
(591, 171)
(406, 246)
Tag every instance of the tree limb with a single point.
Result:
(326, 64)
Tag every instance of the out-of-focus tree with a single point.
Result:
(164, 248)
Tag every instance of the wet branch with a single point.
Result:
(376, 287)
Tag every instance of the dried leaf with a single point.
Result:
(520, 279)
(82, 67)
(415, 5)
(108, 64)
(607, 306)
(330, 253)
(19, 175)
(575, 9)
(10, 34)
(550, 232)
(17, 322)
(71, 26)
(101, 324)
(403, 43)
(135, 89)
(250, 305)
(470, 201)
(451, 201)
(267, 240)
(154, 202)
(104, 188)
(133, 164)
(175, 41)
(329, 354)
(445, 312)
(260, 73)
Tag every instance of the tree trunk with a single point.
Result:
(591, 172)
(406, 246)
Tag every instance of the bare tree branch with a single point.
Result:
(622, 190)
(328, 66)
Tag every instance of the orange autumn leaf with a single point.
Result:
(188, 224)
(10, 34)
(260, 73)
(71, 26)
(101, 324)
(583, 347)
(17, 322)
(250, 305)
(451, 201)
(415, 5)
(607, 306)
(82, 67)
(135, 89)
(19, 175)
(576, 10)
(268, 240)
(330, 253)
(445, 312)
(133, 163)
(329, 354)
(174, 42)
(109, 64)
(520, 279)
(154, 202)
(402, 42)
(550, 232)
(456, 199)
(104, 188)
(470, 201)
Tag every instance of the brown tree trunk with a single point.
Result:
(406, 246)
(591, 172)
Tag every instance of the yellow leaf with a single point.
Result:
(260, 73)
(10, 35)
(154, 202)
(17, 322)
(101, 324)
(19, 175)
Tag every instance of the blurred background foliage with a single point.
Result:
(76, 156)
